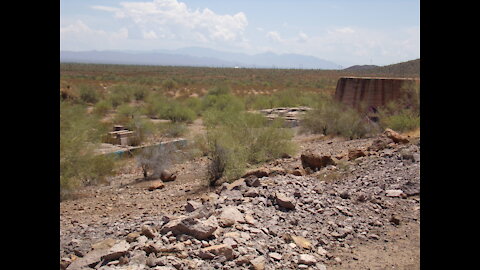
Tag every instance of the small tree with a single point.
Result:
(218, 161)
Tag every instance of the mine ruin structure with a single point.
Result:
(369, 93)
(120, 136)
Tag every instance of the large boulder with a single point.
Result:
(167, 176)
(157, 184)
(106, 250)
(230, 215)
(315, 162)
(285, 201)
(396, 137)
(200, 229)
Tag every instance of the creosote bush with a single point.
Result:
(79, 135)
(332, 118)
(158, 106)
(88, 93)
(236, 140)
(403, 114)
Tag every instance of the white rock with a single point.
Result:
(306, 259)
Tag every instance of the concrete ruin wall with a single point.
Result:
(372, 92)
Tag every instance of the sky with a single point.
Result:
(346, 32)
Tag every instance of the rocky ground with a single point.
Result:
(338, 204)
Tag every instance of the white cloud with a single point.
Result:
(274, 36)
(302, 37)
(174, 20)
(149, 35)
(344, 30)
(346, 44)
(79, 36)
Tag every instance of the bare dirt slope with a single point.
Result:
(348, 216)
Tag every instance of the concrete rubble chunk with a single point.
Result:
(131, 237)
(307, 259)
(109, 249)
(200, 229)
(192, 206)
(250, 219)
(284, 201)
(148, 231)
(203, 211)
(117, 251)
(258, 263)
(230, 215)
(393, 193)
(275, 256)
(220, 250)
(301, 242)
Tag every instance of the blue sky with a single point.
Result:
(346, 32)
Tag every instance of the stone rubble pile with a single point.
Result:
(273, 221)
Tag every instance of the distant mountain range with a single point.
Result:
(195, 56)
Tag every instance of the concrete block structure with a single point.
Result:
(369, 92)
(120, 136)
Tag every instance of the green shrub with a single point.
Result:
(120, 94)
(333, 118)
(173, 130)
(143, 128)
(402, 114)
(194, 104)
(125, 114)
(258, 102)
(88, 93)
(140, 92)
(158, 106)
(102, 107)
(406, 120)
(235, 139)
(178, 112)
(79, 135)
(169, 84)
(155, 106)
